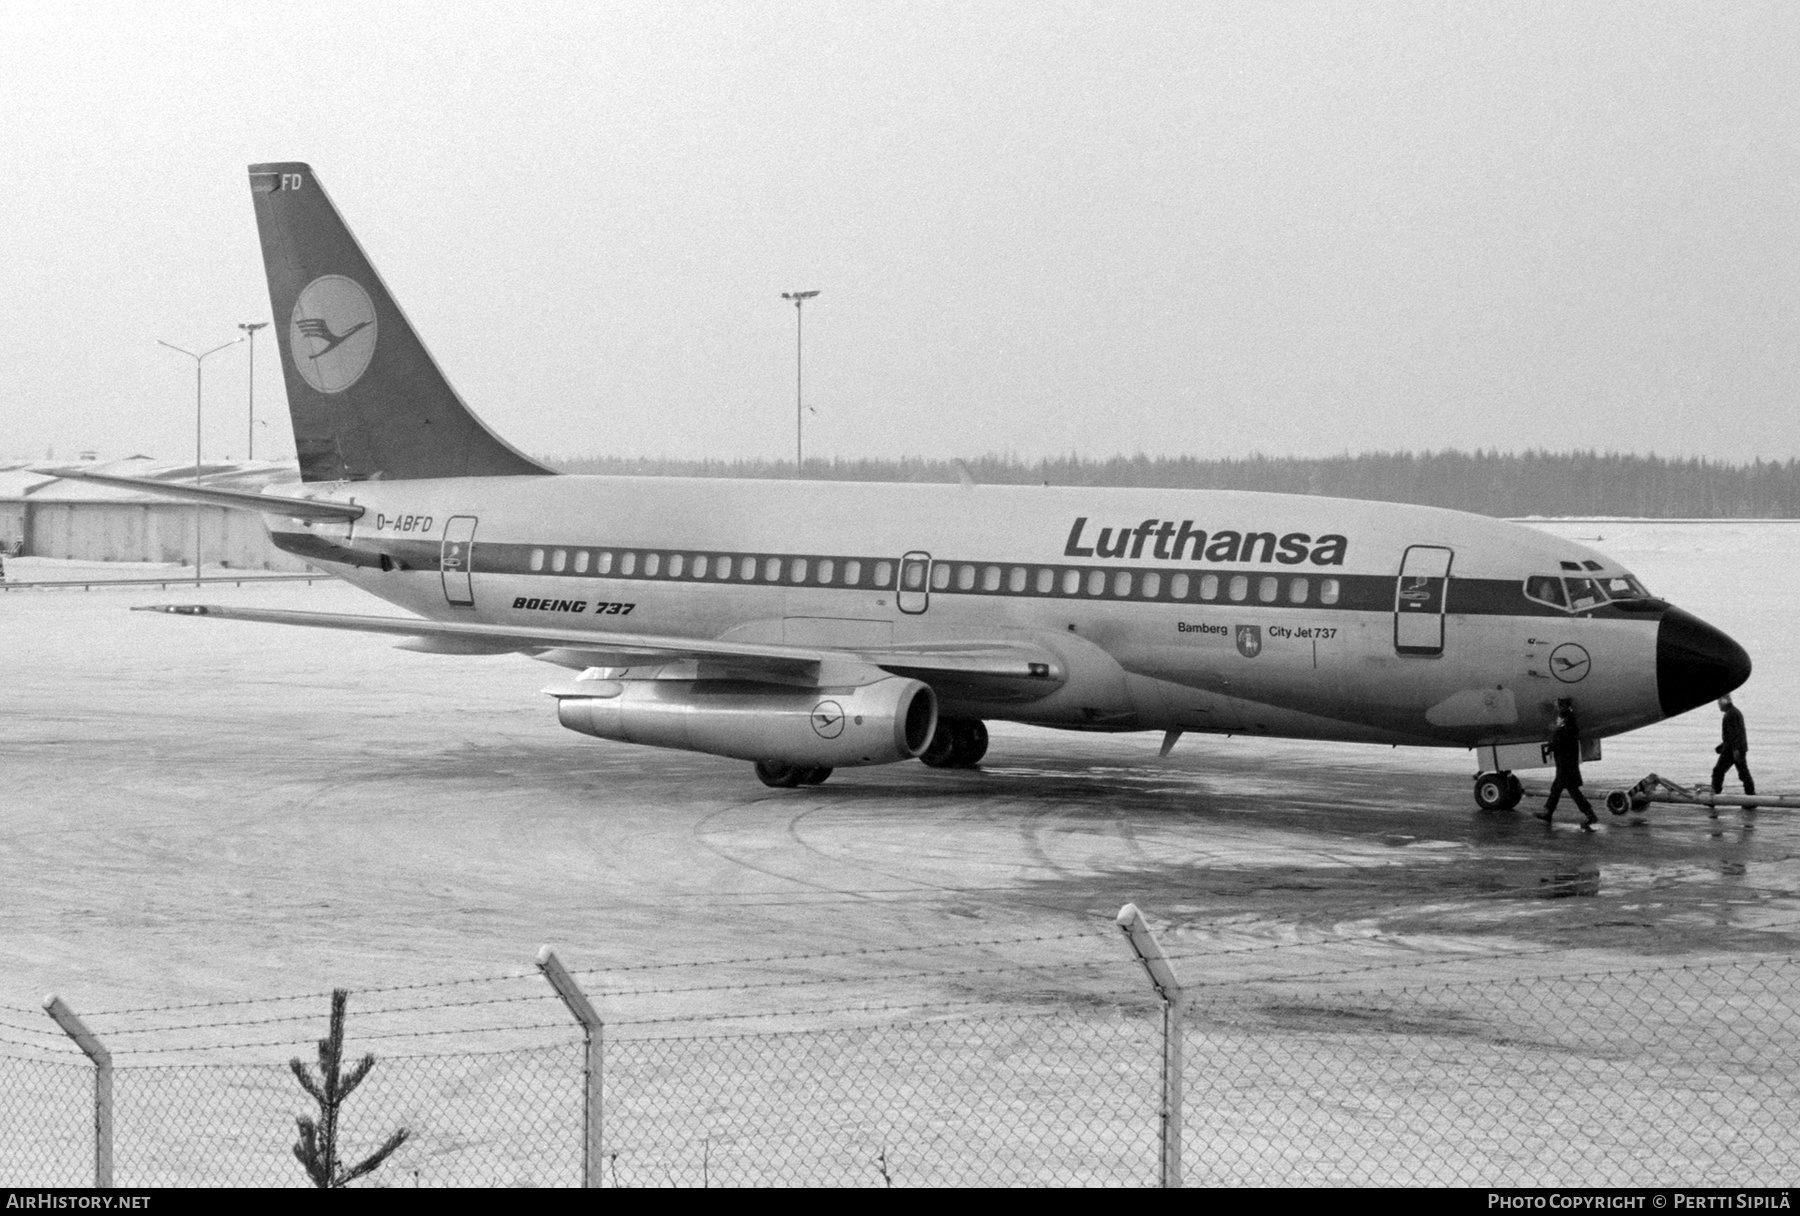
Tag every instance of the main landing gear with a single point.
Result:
(787, 776)
(1497, 791)
(957, 743)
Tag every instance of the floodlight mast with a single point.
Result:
(198, 359)
(799, 298)
(250, 329)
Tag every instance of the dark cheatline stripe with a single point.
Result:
(1356, 592)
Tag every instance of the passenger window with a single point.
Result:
(884, 574)
(1297, 591)
(827, 568)
(1071, 582)
(676, 564)
(940, 576)
(852, 573)
(990, 579)
(652, 563)
(797, 570)
(1328, 591)
(965, 578)
(581, 562)
(1015, 579)
(603, 563)
(537, 559)
(913, 575)
(1584, 593)
(1152, 585)
(1096, 583)
(627, 563)
(747, 569)
(1209, 586)
(699, 567)
(1122, 583)
(1268, 588)
(1178, 587)
(1046, 581)
(1240, 588)
(771, 569)
(559, 560)
(1546, 589)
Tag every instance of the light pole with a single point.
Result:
(799, 298)
(250, 443)
(198, 359)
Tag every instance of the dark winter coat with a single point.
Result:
(1735, 739)
(1565, 749)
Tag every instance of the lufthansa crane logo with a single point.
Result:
(1570, 663)
(828, 719)
(332, 335)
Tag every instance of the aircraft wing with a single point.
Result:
(1004, 669)
(242, 500)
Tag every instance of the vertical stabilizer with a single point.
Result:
(366, 398)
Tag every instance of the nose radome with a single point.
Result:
(1695, 663)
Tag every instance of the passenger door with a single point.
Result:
(1419, 597)
(913, 592)
(454, 560)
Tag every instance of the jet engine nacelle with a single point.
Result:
(882, 722)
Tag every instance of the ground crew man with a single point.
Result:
(1732, 747)
(1564, 747)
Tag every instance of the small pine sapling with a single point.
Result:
(317, 1150)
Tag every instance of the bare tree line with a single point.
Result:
(1489, 483)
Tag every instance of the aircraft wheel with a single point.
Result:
(780, 776)
(941, 751)
(1492, 791)
(972, 744)
(957, 743)
(1618, 802)
(814, 776)
(1515, 791)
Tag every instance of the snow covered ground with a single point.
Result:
(203, 810)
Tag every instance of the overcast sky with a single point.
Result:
(1037, 228)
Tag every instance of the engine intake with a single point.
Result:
(883, 722)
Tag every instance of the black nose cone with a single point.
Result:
(1695, 663)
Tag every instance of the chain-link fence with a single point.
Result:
(1658, 1076)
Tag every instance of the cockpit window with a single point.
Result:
(1624, 587)
(1584, 593)
(1546, 589)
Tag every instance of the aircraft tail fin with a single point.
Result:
(367, 399)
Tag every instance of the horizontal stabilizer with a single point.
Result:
(239, 500)
(974, 663)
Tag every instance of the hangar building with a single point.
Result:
(45, 516)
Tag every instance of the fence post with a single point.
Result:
(84, 1038)
(593, 1163)
(1168, 987)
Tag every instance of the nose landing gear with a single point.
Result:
(1497, 791)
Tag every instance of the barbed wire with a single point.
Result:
(822, 954)
(311, 996)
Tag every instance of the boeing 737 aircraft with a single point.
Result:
(807, 626)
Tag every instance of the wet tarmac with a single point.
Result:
(199, 810)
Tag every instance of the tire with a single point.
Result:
(1492, 790)
(972, 744)
(941, 751)
(814, 776)
(1515, 791)
(779, 776)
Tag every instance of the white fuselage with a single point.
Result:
(1308, 630)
